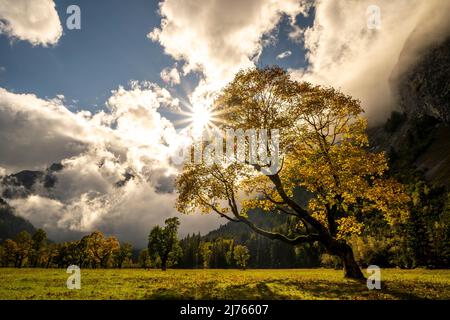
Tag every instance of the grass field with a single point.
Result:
(221, 284)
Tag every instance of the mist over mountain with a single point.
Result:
(420, 131)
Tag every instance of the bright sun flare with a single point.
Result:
(200, 119)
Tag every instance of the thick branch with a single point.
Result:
(303, 214)
(278, 236)
(269, 234)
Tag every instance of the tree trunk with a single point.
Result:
(351, 268)
(163, 265)
(345, 253)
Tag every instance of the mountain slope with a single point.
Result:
(419, 135)
(10, 224)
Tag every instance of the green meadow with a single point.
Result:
(220, 284)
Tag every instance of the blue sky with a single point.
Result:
(110, 50)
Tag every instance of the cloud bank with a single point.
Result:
(34, 21)
(117, 176)
(218, 38)
(344, 53)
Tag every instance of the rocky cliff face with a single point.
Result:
(425, 87)
(422, 132)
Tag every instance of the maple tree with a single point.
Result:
(323, 149)
(101, 249)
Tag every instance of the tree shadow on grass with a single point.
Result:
(285, 290)
(252, 291)
(347, 289)
(392, 288)
(314, 289)
(351, 289)
(204, 290)
(167, 294)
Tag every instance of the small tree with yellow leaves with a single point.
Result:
(241, 256)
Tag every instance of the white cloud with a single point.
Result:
(35, 132)
(35, 21)
(170, 75)
(144, 95)
(218, 38)
(41, 209)
(284, 54)
(344, 53)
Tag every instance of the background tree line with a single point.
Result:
(97, 251)
(91, 251)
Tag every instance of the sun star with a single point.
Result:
(200, 119)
